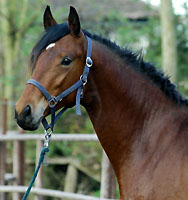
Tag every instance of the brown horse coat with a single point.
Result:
(139, 117)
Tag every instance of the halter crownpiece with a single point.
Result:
(53, 100)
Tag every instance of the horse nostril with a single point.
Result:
(26, 111)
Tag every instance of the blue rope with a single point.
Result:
(41, 159)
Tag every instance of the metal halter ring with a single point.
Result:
(47, 138)
(52, 102)
(89, 62)
(83, 81)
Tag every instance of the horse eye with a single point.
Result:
(66, 61)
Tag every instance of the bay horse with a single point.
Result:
(140, 118)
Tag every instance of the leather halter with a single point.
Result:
(53, 100)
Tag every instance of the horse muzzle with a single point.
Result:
(26, 119)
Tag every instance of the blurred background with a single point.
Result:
(159, 29)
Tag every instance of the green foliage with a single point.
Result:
(71, 123)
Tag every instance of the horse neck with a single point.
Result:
(120, 102)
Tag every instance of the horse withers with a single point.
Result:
(139, 117)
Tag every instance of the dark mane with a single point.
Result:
(135, 59)
(148, 69)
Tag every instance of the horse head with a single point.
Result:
(57, 61)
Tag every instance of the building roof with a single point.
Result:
(92, 10)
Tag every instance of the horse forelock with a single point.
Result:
(50, 36)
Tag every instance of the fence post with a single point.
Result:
(21, 154)
(3, 147)
(38, 182)
(108, 181)
(71, 178)
(18, 164)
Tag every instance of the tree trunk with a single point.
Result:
(169, 51)
(7, 57)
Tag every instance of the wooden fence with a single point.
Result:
(49, 193)
(108, 182)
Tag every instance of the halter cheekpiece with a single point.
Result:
(53, 100)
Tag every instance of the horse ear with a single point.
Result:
(74, 22)
(48, 19)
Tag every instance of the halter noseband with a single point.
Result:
(52, 100)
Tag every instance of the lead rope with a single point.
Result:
(43, 155)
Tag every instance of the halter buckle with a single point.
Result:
(89, 62)
(52, 102)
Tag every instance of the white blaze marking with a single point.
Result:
(50, 46)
